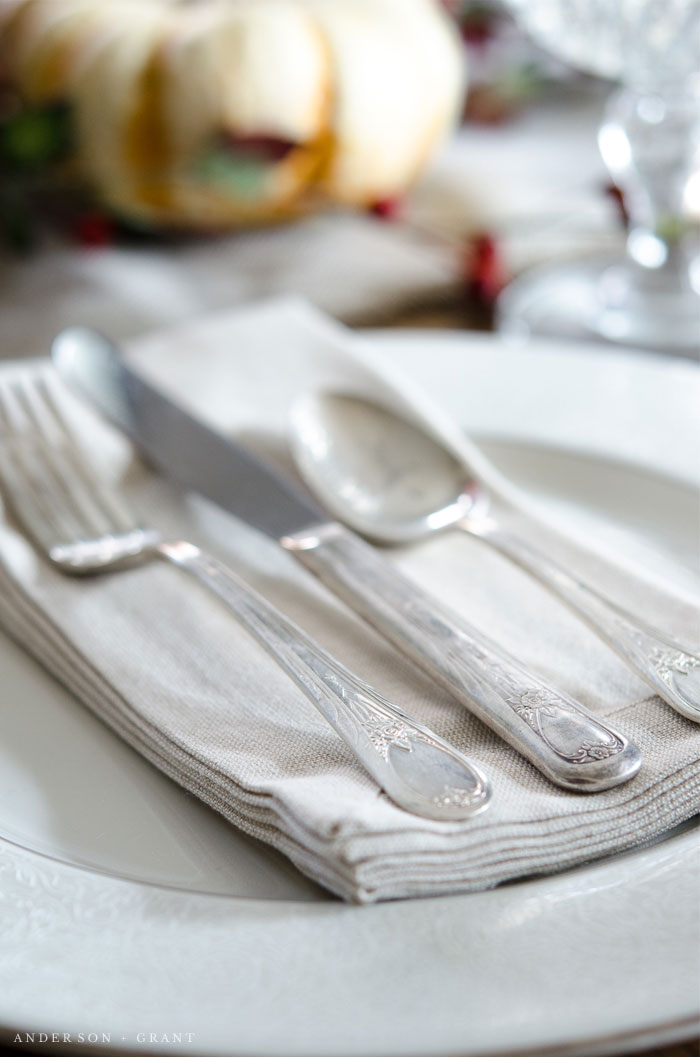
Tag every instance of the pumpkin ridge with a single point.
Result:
(147, 147)
(327, 139)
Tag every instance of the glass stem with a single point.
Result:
(649, 141)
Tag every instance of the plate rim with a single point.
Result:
(672, 1027)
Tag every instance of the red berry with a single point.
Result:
(94, 230)
(387, 208)
(618, 199)
(483, 269)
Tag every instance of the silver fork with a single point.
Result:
(84, 527)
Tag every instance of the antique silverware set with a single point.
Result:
(416, 488)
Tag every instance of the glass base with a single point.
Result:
(604, 299)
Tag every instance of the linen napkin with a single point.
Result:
(164, 664)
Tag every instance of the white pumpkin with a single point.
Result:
(216, 112)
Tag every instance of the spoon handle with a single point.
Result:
(418, 770)
(670, 670)
(563, 739)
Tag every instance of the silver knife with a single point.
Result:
(568, 743)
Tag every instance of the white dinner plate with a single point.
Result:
(132, 917)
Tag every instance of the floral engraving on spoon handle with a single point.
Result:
(678, 672)
(672, 671)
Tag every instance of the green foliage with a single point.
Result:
(33, 140)
(35, 137)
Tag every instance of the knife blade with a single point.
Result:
(177, 443)
(563, 739)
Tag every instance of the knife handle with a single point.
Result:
(418, 770)
(565, 741)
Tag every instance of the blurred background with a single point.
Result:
(400, 163)
(397, 163)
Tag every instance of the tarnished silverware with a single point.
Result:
(416, 487)
(568, 743)
(85, 527)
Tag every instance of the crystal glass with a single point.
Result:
(650, 142)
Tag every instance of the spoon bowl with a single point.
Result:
(380, 474)
(393, 481)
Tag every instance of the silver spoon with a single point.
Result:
(388, 479)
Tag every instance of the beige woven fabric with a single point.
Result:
(171, 672)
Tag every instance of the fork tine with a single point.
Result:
(76, 487)
(55, 492)
(53, 489)
(28, 486)
(43, 455)
(104, 499)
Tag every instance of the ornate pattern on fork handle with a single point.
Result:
(440, 783)
(386, 730)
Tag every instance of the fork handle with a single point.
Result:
(416, 768)
(563, 739)
(673, 672)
